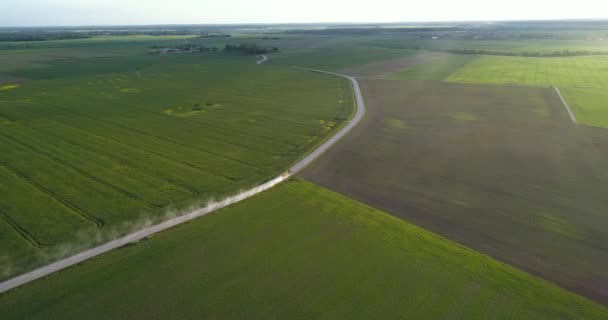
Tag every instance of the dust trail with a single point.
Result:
(138, 235)
(146, 227)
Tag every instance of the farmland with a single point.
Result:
(512, 178)
(465, 193)
(433, 66)
(91, 147)
(328, 53)
(589, 104)
(559, 72)
(515, 46)
(584, 79)
(297, 251)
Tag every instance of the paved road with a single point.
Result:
(143, 233)
(570, 112)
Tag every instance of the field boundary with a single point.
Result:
(127, 128)
(244, 133)
(72, 207)
(566, 105)
(148, 150)
(359, 113)
(338, 127)
(294, 123)
(85, 174)
(134, 237)
(126, 163)
(21, 231)
(209, 208)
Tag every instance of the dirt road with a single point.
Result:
(143, 233)
(360, 104)
(570, 112)
(264, 58)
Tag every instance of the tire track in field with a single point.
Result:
(85, 174)
(22, 232)
(224, 110)
(120, 161)
(72, 207)
(146, 232)
(135, 236)
(6, 117)
(148, 150)
(295, 123)
(359, 113)
(177, 119)
(193, 192)
(213, 154)
(341, 113)
(238, 132)
(124, 127)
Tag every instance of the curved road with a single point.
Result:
(211, 207)
(264, 58)
(331, 141)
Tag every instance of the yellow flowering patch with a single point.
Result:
(395, 123)
(9, 87)
(130, 90)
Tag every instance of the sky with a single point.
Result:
(128, 12)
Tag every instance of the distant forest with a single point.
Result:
(44, 35)
(249, 48)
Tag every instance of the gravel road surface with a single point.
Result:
(211, 207)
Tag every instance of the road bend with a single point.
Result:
(263, 59)
(211, 207)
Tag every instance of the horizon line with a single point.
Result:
(310, 23)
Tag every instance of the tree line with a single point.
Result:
(67, 35)
(562, 53)
(41, 36)
(249, 48)
(246, 48)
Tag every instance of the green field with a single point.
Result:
(297, 251)
(122, 43)
(583, 80)
(327, 53)
(413, 65)
(99, 137)
(499, 169)
(560, 72)
(589, 104)
(433, 66)
(517, 46)
(97, 144)
(330, 53)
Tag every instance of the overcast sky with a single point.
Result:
(123, 12)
